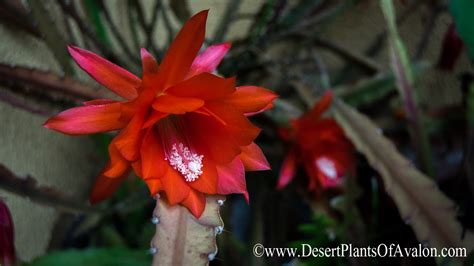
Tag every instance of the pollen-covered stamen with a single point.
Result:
(188, 163)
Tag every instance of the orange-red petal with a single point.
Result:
(183, 50)
(117, 165)
(204, 86)
(87, 119)
(105, 186)
(253, 159)
(208, 60)
(152, 156)
(175, 187)
(237, 125)
(176, 105)
(129, 140)
(320, 107)
(207, 182)
(195, 203)
(154, 117)
(113, 77)
(232, 179)
(212, 138)
(251, 99)
(154, 185)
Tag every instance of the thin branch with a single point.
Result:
(27, 187)
(71, 10)
(227, 18)
(15, 102)
(49, 82)
(118, 36)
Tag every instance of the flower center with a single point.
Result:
(178, 149)
(188, 163)
(327, 167)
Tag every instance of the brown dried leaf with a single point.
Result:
(430, 213)
(181, 239)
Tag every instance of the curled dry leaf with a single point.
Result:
(181, 239)
(430, 213)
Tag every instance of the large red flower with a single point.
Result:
(320, 145)
(183, 130)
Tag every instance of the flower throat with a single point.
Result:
(179, 152)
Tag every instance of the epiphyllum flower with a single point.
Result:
(320, 145)
(183, 130)
(7, 247)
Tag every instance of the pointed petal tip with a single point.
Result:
(144, 52)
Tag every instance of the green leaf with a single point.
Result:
(95, 257)
(430, 213)
(367, 91)
(462, 12)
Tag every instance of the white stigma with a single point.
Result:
(188, 163)
(327, 167)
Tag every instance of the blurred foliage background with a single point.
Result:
(361, 49)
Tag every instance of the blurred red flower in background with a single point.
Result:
(7, 245)
(451, 49)
(319, 144)
(183, 130)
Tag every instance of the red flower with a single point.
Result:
(320, 145)
(7, 246)
(183, 130)
(451, 49)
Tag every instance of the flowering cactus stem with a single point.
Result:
(180, 238)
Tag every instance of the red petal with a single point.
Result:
(175, 187)
(183, 50)
(99, 102)
(232, 179)
(204, 86)
(212, 138)
(117, 165)
(104, 187)
(207, 182)
(129, 140)
(237, 125)
(288, 170)
(253, 159)
(176, 105)
(154, 185)
(106, 73)
(152, 156)
(321, 106)
(87, 119)
(195, 202)
(451, 49)
(208, 60)
(137, 168)
(154, 117)
(7, 239)
(149, 64)
(251, 99)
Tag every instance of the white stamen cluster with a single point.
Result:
(188, 163)
(327, 167)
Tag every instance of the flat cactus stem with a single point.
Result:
(180, 238)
